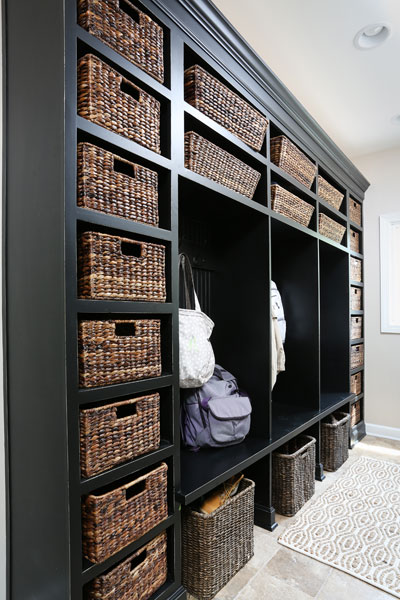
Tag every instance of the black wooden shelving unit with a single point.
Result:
(237, 245)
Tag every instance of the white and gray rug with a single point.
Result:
(355, 524)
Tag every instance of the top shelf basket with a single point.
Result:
(287, 156)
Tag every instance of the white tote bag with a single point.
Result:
(196, 356)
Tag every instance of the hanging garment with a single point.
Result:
(277, 351)
(276, 302)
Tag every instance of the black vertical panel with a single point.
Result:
(35, 354)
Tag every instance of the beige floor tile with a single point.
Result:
(341, 586)
(237, 583)
(265, 547)
(270, 588)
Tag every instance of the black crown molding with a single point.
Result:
(213, 21)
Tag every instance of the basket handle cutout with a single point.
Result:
(130, 10)
(131, 90)
(125, 167)
(125, 329)
(132, 249)
(135, 489)
(138, 560)
(356, 291)
(126, 410)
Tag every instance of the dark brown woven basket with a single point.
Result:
(355, 413)
(290, 206)
(335, 440)
(356, 328)
(287, 156)
(214, 99)
(329, 193)
(112, 267)
(215, 546)
(357, 356)
(118, 351)
(331, 228)
(355, 269)
(355, 298)
(354, 241)
(130, 32)
(138, 576)
(293, 475)
(112, 520)
(108, 99)
(102, 186)
(209, 160)
(356, 384)
(118, 432)
(355, 211)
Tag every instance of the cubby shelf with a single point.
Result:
(123, 306)
(356, 254)
(332, 210)
(294, 184)
(355, 225)
(356, 370)
(356, 341)
(86, 396)
(359, 397)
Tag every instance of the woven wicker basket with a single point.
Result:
(290, 206)
(130, 32)
(209, 160)
(355, 269)
(115, 186)
(212, 98)
(293, 475)
(112, 520)
(118, 432)
(331, 228)
(355, 413)
(357, 356)
(356, 328)
(335, 440)
(356, 384)
(108, 99)
(215, 546)
(138, 576)
(112, 267)
(118, 351)
(355, 211)
(355, 298)
(354, 241)
(329, 193)
(287, 156)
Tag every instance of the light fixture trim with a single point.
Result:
(371, 36)
(396, 119)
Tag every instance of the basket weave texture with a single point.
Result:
(357, 356)
(354, 241)
(138, 39)
(107, 358)
(355, 413)
(217, 101)
(356, 328)
(113, 520)
(103, 98)
(291, 206)
(329, 193)
(355, 384)
(102, 188)
(287, 156)
(355, 269)
(109, 436)
(335, 440)
(209, 160)
(331, 228)
(355, 298)
(215, 546)
(123, 582)
(113, 267)
(355, 211)
(293, 475)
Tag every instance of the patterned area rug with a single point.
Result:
(355, 525)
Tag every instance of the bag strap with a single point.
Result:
(185, 268)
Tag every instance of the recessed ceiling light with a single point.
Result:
(372, 36)
(396, 119)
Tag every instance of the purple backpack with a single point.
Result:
(216, 414)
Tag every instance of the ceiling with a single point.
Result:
(352, 94)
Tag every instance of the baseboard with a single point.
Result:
(391, 433)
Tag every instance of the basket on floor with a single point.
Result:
(127, 30)
(110, 100)
(357, 356)
(356, 384)
(118, 432)
(110, 184)
(138, 576)
(356, 328)
(331, 228)
(117, 351)
(355, 211)
(217, 101)
(291, 206)
(112, 520)
(355, 298)
(354, 241)
(335, 440)
(355, 413)
(355, 269)
(216, 545)
(293, 475)
(329, 193)
(117, 268)
(209, 160)
(287, 156)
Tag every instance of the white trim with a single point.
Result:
(389, 223)
(391, 433)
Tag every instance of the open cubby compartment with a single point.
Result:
(301, 193)
(165, 103)
(294, 258)
(333, 215)
(335, 322)
(338, 186)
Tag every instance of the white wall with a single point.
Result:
(382, 360)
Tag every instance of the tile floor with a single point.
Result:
(277, 573)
